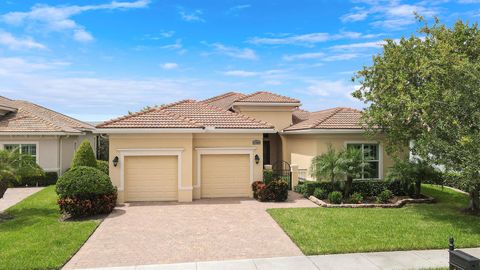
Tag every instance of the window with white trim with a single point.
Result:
(371, 155)
(23, 148)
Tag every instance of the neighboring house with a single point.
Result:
(49, 136)
(219, 146)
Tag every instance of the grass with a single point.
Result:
(415, 226)
(36, 239)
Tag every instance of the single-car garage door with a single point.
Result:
(151, 178)
(225, 176)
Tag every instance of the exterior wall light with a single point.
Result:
(257, 159)
(115, 161)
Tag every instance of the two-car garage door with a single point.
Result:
(155, 178)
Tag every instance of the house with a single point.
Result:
(217, 147)
(49, 136)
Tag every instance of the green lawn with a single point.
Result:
(419, 226)
(36, 239)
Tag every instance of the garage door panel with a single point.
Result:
(151, 178)
(225, 176)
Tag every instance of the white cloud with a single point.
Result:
(58, 19)
(238, 8)
(194, 16)
(169, 66)
(303, 56)
(235, 52)
(17, 65)
(327, 88)
(240, 73)
(357, 14)
(175, 46)
(341, 57)
(14, 43)
(308, 39)
(390, 14)
(361, 45)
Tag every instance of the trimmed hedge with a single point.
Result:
(102, 165)
(367, 188)
(84, 156)
(267, 176)
(50, 178)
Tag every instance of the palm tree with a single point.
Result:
(353, 166)
(328, 165)
(14, 166)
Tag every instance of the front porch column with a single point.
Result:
(294, 169)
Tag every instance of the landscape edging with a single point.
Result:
(398, 204)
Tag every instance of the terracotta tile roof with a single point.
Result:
(224, 101)
(34, 118)
(299, 115)
(335, 118)
(186, 114)
(6, 102)
(267, 97)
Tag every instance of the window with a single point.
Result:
(27, 149)
(371, 154)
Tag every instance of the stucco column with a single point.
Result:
(294, 168)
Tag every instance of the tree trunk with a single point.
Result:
(348, 187)
(3, 187)
(418, 188)
(474, 201)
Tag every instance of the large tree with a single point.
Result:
(426, 88)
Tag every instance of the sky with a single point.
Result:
(95, 60)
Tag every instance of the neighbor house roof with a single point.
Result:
(224, 101)
(335, 118)
(32, 118)
(266, 97)
(186, 114)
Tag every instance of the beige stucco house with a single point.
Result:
(217, 147)
(49, 136)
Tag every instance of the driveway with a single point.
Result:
(205, 230)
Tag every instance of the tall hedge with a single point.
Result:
(84, 156)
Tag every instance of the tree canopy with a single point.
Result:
(426, 88)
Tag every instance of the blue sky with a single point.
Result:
(95, 60)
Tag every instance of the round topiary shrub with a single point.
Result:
(102, 165)
(335, 197)
(85, 191)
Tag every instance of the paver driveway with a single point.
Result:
(207, 229)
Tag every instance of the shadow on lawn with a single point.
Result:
(449, 209)
(26, 217)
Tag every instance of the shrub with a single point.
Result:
(267, 176)
(256, 186)
(84, 182)
(335, 197)
(276, 190)
(50, 178)
(84, 156)
(85, 191)
(279, 189)
(320, 193)
(384, 196)
(102, 165)
(95, 205)
(356, 198)
(299, 188)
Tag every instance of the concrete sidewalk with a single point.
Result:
(418, 259)
(16, 195)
